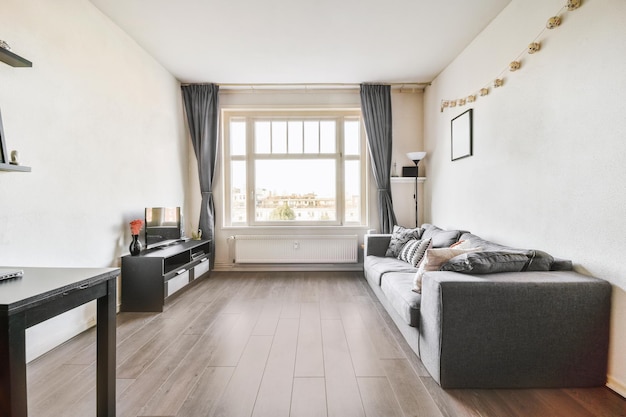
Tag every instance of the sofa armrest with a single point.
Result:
(515, 330)
(376, 244)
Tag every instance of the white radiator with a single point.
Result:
(296, 249)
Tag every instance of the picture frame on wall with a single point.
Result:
(4, 157)
(461, 135)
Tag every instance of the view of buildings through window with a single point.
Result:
(295, 168)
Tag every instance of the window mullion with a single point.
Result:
(250, 166)
(340, 186)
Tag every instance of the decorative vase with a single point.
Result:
(135, 246)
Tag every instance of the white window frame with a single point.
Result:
(251, 115)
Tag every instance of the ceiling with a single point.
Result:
(302, 41)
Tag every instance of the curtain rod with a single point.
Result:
(312, 86)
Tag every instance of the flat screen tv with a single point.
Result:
(164, 225)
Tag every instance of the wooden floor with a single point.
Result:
(277, 344)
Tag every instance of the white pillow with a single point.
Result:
(433, 259)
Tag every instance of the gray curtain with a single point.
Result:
(376, 109)
(202, 107)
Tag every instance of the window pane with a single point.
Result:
(295, 137)
(351, 137)
(295, 190)
(279, 137)
(238, 137)
(238, 191)
(352, 191)
(311, 137)
(262, 137)
(328, 137)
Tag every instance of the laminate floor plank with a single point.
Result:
(309, 290)
(145, 385)
(448, 404)
(43, 391)
(489, 403)
(601, 401)
(290, 310)
(44, 366)
(309, 356)
(308, 398)
(207, 392)
(131, 345)
(558, 399)
(219, 285)
(278, 285)
(414, 399)
(380, 335)
(274, 397)
(329, 310)
(170, 396)
(297, 344)
(246, 290)
(342, 392)
(268, 319)
(365, 358)
(232, 345)
(85, 406)
(378, 397)
(414, 360)
(240, 394)
(70, 392)
(170, 330)
(526, 402)
(207, 317)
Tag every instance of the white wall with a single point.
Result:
(408, 121)
(407, 110)
(101, 125)
(548, 167)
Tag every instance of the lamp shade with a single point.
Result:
(416, 156)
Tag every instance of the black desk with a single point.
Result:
(43, 293)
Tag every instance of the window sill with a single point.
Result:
(407, 179)
(299, 228)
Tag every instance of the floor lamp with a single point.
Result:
(416, 157)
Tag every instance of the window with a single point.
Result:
(294, 167)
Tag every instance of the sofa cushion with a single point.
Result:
(539, 260)
(397, 289)
(376, 266)
(414, 250)
(487, 262)
(561, 265)
(399, 237)
(433, 260)
(441, 238)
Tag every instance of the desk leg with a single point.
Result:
(105, 385)
(13, 402)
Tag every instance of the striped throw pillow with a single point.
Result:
(413, 251)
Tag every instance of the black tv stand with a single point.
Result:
(156, 274)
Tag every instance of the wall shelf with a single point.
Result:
(408, 179)
(13, 60)
(15, 168)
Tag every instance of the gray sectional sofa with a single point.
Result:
(537, 328)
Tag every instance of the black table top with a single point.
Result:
(40, 283)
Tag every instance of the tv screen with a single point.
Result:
(163, 225)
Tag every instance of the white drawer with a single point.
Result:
(177, 283)
(201, 268)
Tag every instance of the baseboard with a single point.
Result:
(230, 267)
(616, 385)
(50, 335)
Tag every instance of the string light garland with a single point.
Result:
(515, 65)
